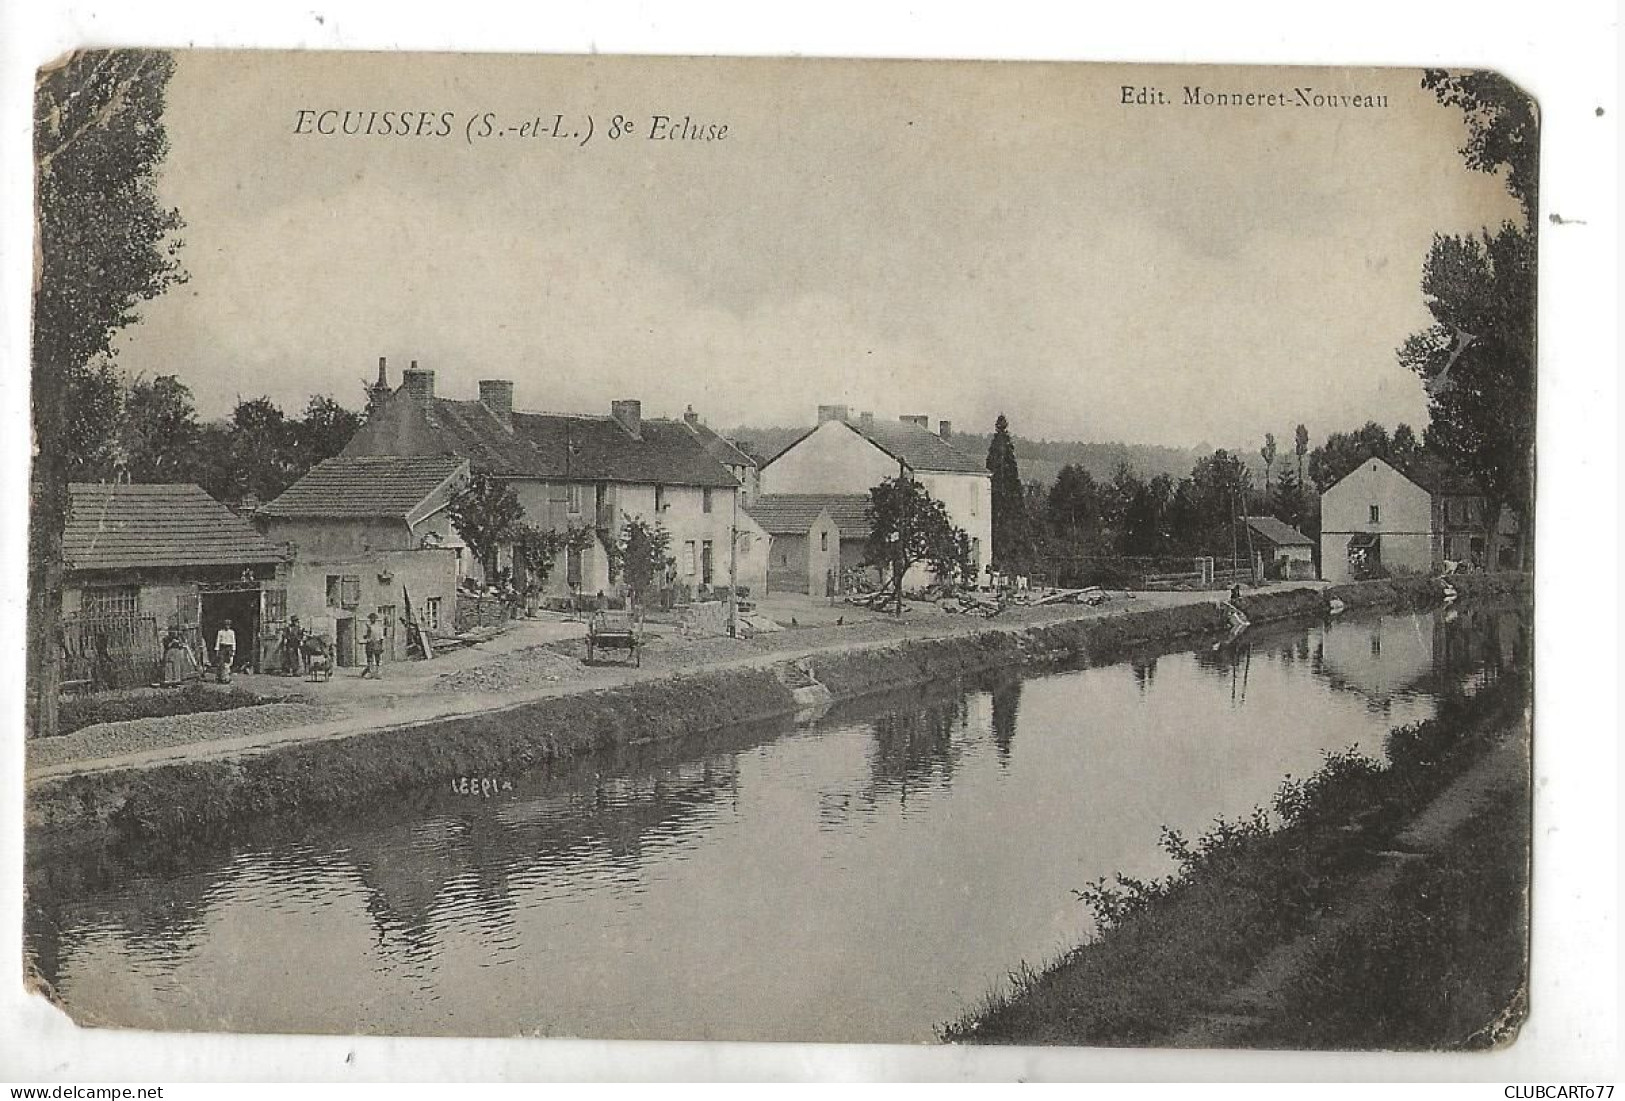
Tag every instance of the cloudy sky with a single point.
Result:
(954, 240)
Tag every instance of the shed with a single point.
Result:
(140, 559)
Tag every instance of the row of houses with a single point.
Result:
(370, 531)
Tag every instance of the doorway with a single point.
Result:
(344, 642)
(242, 608)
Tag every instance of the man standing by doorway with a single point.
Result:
(372, 637)
(225, 652)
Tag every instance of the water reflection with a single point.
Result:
(863, 878)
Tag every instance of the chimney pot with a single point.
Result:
(866, 418)
(945, 429)
(630, 414)
(690, 417)
(496, 394)
(419, 385)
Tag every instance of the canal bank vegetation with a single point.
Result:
(1374, 905)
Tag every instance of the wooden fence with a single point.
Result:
(113, 651)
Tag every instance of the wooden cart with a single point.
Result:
(615, 631)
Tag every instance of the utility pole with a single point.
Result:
(733, 568)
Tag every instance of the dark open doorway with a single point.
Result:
(242, 608)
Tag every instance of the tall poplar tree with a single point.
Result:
(1012, 543)
(104, 244)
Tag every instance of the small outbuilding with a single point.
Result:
(1280, 551)
(140, 560)
(817, 540)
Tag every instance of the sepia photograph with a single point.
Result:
(782, 549)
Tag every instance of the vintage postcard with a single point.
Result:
(729, 549)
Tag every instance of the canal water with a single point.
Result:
(865, 877)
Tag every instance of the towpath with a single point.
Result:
(535, 660)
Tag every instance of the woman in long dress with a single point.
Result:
(178, 662)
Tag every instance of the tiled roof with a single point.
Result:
(793, 513)
(1435, 474)
(720, 449)
(366, 487)
(545, 446)
(118, 527)
(1279, 533)
(918, 448)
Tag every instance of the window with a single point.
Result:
(572, 500)
(705, 499)
(431, 613)
(276, 605)
(690, 559)
(823, 540)
(110, 600)
(660, 498)
(705, 563)
(343, 591)
(1375, 515)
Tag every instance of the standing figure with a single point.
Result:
(293, 653)
(225, 652)
(178, 664)
(372, 637)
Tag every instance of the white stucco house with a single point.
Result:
(843, 455)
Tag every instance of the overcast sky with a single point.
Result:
(946, 239)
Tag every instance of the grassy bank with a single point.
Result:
(1437, 962)
(78, 712)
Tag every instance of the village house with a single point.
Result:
(139, 560)
(843, 456)
(1378, 519)
(1281, 551)
(371, 534)
(576, 471)
(818, 540)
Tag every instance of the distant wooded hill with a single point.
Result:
(1039, 460)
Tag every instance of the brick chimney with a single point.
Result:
(691, 418)
(866, 419)
(630, 413)
(831, 413)
(945, 429)
(378, 392)
(918, 420)
(419, 386)
(496, 394)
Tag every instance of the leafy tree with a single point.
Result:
(1343, 451)
(536, 549)
(1012, 543)
(105, 245)
(1300, 447)
(486, 512)
(1074, 505)
(1146, 527)
(643, 556)
(327, 426)
(1267, 453)
(158, 432)
(1404, 447)
(908, 526)
(1220, 484)
(1287, 504)
(1478, 358)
